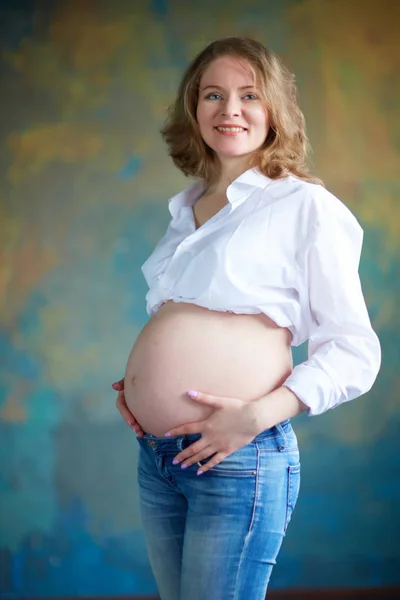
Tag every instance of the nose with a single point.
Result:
(231, 107)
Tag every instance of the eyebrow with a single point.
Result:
(243, 87)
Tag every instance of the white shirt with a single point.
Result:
(286, 248)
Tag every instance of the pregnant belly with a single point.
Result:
(185, 346)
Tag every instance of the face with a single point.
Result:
(232, 117)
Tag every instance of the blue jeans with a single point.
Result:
(217, 536)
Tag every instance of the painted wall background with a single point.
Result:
(84, 184)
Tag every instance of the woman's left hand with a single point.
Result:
(232, 425)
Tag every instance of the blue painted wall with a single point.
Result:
(85, 180)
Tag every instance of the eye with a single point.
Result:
(213, 96)
(251, 96)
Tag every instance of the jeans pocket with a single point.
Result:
(241, 463)
(293, 489)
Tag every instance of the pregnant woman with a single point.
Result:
(258, 256)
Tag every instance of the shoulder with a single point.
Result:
(313, 201)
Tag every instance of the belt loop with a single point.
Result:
(282, 447)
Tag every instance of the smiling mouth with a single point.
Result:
(231, 129)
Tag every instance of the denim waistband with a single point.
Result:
(282, 429)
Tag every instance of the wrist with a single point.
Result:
(277, 406)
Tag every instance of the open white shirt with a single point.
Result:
(286, 248)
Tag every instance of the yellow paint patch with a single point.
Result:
(14, 411)
(36, 148)
(80, 32)
(353, 97)
(23, 264)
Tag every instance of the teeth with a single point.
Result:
(235, 129)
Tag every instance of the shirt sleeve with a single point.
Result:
(344, 353)
(155, 265)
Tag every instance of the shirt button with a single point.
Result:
(151, 443)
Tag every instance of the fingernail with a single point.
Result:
(183, 466)
(167, 434)
(175, 462)
(200, 472)
(192, 393)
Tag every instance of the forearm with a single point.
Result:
(275, 407)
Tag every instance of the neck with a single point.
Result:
(230, 170)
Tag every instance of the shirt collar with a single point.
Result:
(237, 191)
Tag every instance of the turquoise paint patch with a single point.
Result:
(300, 353)
(160, 8)
(15, 362)
(277, 34)
(130, 168)
(17, 22)
(137, 224)
(28, 501)
(46, 407)
(108, 565)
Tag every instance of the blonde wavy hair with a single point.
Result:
(286, 146)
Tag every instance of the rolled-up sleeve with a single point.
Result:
(344, 353)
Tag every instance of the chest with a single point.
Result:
(207, 207)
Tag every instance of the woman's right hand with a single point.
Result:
(126, 414)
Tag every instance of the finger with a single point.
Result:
(136, 427)
(118, 385)
(185, 429)
(196, 458)
(133, 424)
(189, 452)
(218, 458)
(127, 415)
(215, 401)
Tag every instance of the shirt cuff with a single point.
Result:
(314, 387)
